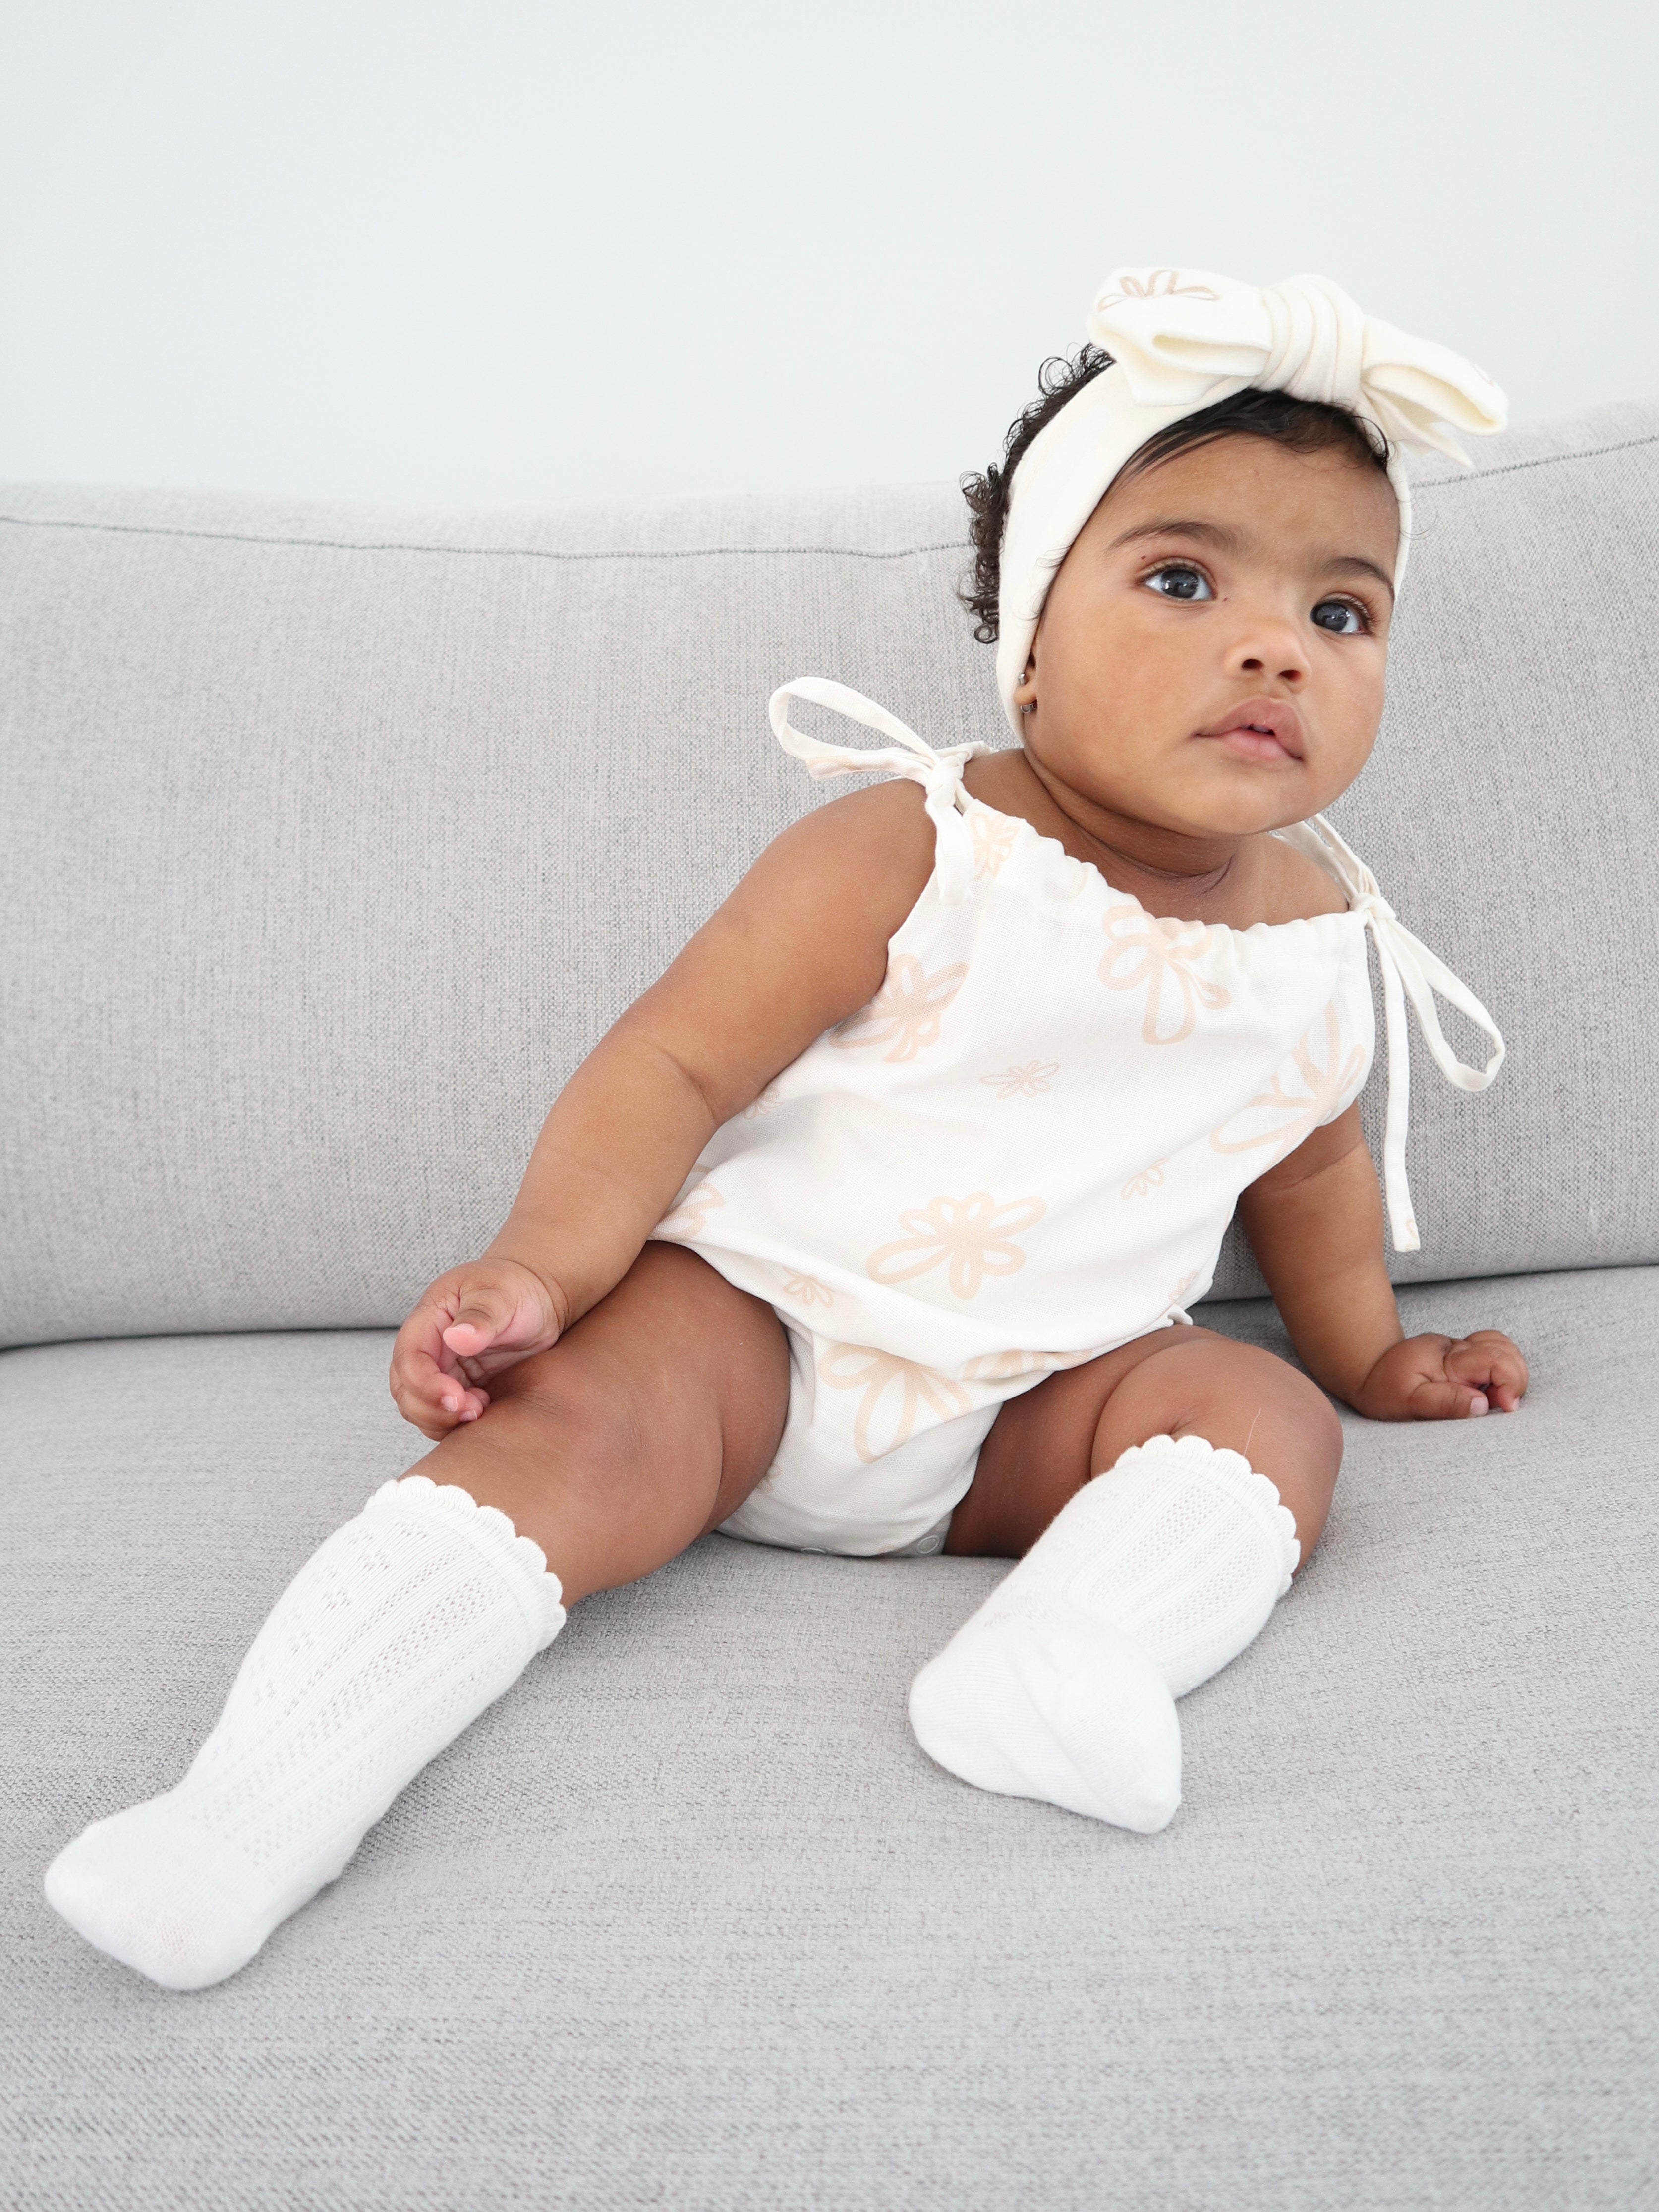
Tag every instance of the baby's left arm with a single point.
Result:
(1315, 1223)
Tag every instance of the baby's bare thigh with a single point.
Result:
(679, 1359)
(1046, 1444)
(647, 1423)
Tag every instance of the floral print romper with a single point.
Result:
(1026, 1149)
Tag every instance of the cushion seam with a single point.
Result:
(697, 552)
(1538, 461)
(474, 552)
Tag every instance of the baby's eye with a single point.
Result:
(1176, 580)
(1341, 617)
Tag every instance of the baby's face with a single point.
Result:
(1211, 656)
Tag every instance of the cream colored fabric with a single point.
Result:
(1026, 1149)
(1182, 340)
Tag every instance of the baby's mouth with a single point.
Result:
(1248, 742)
(1259, 730)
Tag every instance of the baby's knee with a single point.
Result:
(1285, 1425)
(1223, 1363)
(565, 1416)
(1294, 1397)
(1239, 1396)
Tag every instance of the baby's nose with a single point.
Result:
(1291, 671)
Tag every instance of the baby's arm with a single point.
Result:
(1315, 1224)
(801, 943)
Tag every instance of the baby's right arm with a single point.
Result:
(800, 943)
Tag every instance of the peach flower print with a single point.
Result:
(1027, 1082)
(895, 1392)
(690, 1215)
(1326, 1086)
(1148, 1179)
(974, 1236)
(763, 1105)
(807, 1291)
(993, 840)
(906, 1012)
(1158, 956)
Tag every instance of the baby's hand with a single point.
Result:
(473, 1322)
(1445, 1378)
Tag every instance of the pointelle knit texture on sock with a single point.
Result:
(1152, 1577)
(396, 1634)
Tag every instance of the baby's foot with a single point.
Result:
(1069, 1709)
(160, 1895)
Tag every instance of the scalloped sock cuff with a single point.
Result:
(1062, 1686)
(394, 1635)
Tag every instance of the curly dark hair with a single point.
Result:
(1305, 426)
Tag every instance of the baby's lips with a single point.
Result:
(1276, 721)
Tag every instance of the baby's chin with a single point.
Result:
(1209, 805)
(1227, 787)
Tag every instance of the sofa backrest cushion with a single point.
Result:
(335, 837)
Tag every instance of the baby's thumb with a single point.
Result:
(1447, 1402)
(480, 1320)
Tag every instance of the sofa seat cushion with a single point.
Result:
(689, 1919)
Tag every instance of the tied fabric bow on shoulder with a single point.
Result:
(1183, 339)
(939, 772)
(1406, 961)
(1409, 971)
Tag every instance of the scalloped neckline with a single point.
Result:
(1171, 922)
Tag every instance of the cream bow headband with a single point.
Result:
(1181, 341)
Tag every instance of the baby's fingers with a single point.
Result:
(464, 1401)
(428, 1397)
(1488, 1361)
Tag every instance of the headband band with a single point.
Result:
(1181, 341)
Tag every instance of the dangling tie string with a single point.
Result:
(1411, 971)
(939, 772)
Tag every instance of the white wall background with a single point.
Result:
(468, 251)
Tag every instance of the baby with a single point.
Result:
(871, 1228)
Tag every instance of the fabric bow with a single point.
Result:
(1183, 336)
(938, 771)
(1182, 340)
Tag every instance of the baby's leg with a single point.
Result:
(1155, 1500)
(599, 1461)
(1177, 1383)
(645, 1427)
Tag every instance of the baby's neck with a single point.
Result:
(1184, 877)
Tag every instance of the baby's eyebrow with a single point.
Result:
(1176, 525)
(1232, 540)
(1366, 568)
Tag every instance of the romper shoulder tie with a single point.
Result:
(1410, 971)
(939, 772)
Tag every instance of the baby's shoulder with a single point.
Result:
(868, 853)
(1292, 888)
(882, 831)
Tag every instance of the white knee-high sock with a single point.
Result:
(396, 1634)
(1063, 1685)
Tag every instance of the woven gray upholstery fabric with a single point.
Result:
(335, 837)
(688, 1921)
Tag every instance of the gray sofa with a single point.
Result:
(333, 837)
